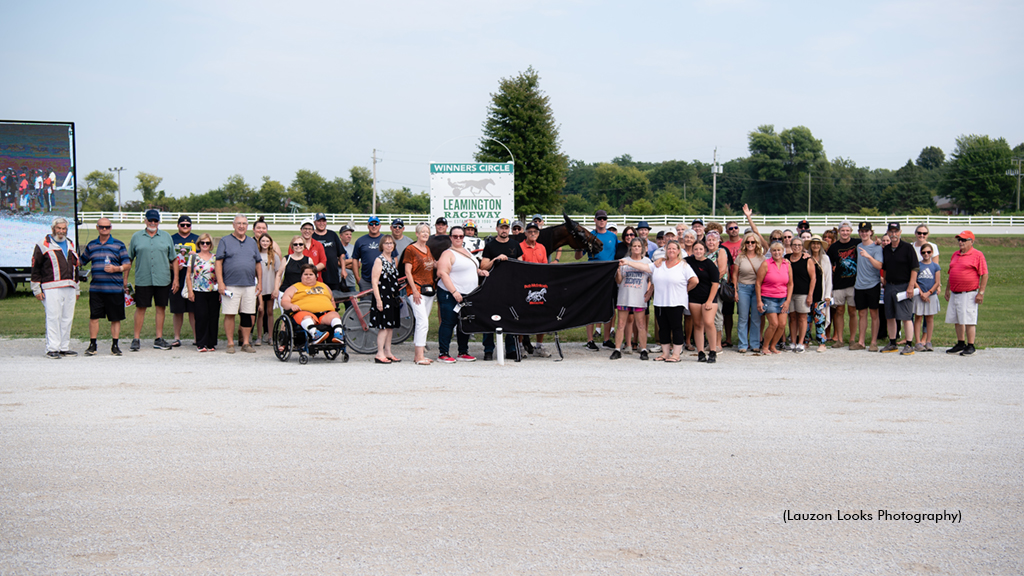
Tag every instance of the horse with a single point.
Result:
(569, 233)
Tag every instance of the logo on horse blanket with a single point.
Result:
(527, 298)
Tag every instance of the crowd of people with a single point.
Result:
(791, 290)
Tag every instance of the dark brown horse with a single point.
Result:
(552, 238)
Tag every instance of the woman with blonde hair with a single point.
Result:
(386, 313)
(744, 278)
(270, 261)
(202, 289)
(419, 267)
(774, 290)
(291, 273)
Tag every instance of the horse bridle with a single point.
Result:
(581, 237)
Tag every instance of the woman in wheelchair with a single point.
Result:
(311, 303)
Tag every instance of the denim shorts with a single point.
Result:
(772, 305)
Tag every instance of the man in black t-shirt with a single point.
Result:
(900, 266)
(335, 271)
(501, 247)
(843, 256)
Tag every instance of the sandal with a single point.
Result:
(671, 359)
(379, 361)
(393, 359)
(660, 358)
(423, 362)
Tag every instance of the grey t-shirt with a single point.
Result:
(239, 259)
(867, 275)
(350, 277)
(633, 287)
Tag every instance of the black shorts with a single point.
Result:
(181, 305)
(867, 299)
(146, 296)
(106, 305)
(727, 308)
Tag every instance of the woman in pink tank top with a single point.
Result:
(774, 289)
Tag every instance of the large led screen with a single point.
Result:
(37, 183)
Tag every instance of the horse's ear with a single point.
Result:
(567, 219)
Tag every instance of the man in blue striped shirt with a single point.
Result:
(108, 257)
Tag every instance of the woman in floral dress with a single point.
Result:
(385, 314)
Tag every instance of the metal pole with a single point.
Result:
(118, 170)
(373, 209)
(808, 192)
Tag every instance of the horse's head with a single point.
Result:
(582, 239)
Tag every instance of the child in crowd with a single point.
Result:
(926, 304)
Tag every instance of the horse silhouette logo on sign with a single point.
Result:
(537, 296)
(471, 186)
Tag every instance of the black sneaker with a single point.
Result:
(701, 357)
(136, 345)
(488, 356)
(968, 350)
(68, 353)
(609, 344)
(643, 354)
(591, 346)
(527, 346)
(161, 344)
(114, 350)
(91, 350)
(957, 349)
(712, 357)
(53, 355)
(615, 355)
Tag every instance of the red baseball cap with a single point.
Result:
(967, 234)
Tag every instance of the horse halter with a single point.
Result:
(581, 237)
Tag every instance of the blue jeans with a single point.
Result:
(750, 318)
(449, 322)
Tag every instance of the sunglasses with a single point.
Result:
(751, 242)
(297, 244)
(733, 228)
(962, 239)
(454, 236)
(205, 243)
(787, 237)
(103, 227)
(922, 233)
(152, 221)
(600, 218)
(184, 225)
(629, 235)
(923, 253)
(399, 226)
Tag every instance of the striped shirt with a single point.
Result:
(99, 254)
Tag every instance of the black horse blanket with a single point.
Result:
(527, 298)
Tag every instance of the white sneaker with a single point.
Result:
(799, 349)
(654, 348)
(539, 350)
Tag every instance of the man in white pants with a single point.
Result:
(55, 284)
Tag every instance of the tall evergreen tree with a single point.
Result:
(520, 117)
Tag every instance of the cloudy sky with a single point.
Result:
(196, 91)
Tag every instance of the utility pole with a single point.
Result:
(373, 210)
(808, 192)
(1016, 172)
(118, 170)
(716, 169)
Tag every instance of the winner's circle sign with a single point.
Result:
(483, 192)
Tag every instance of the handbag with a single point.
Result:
(427, 290)
(728, 292)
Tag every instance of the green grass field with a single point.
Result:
(1001, 321)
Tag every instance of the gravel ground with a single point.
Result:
(171, 463)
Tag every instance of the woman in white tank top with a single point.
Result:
(457, 271)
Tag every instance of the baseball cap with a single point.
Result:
(966, 235)
(152, 214)
(503, 222)
(894, 225)
(373, 220)
(398, 222)
(320, 216)
(306, 221)
(346, 228)
(441, 220)
(184, 218)
(600, 214)
(469, 223)
(612, 228)
(533, 226)
(864, 226)
(661, 234)
(643, 224)
(804, 224)
(697, 221)
(537, 217)
(517, 224)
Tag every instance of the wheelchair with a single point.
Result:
(289, 337)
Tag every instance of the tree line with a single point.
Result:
(786, 172)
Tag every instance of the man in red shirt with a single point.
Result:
(968, 276)
(534, 251)
(314, 249)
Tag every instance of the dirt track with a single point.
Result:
(171, 463)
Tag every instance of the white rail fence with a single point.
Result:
(659, 221)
